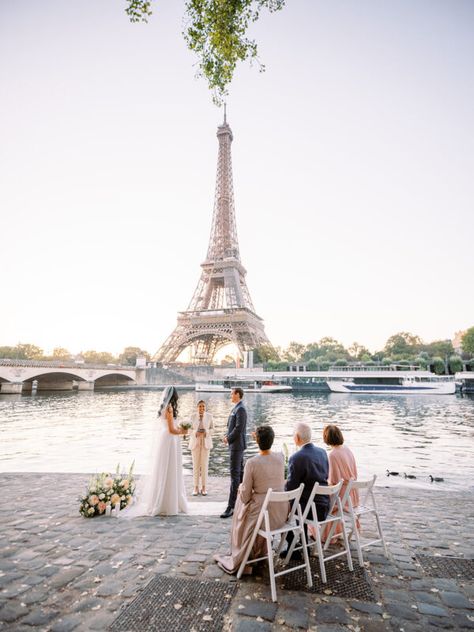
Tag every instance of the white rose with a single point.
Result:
(101, 496)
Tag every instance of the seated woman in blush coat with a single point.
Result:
(261, 472)
(342, 466)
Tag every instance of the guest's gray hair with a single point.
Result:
(303, 431)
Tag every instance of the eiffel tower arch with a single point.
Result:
(221, 310)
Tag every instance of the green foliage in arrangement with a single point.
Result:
(216, 31)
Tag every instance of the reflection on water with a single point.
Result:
(88, 432)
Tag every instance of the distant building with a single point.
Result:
(457, 341)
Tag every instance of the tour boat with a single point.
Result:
(416, 383)
(248, 386)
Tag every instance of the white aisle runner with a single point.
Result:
(206, 508)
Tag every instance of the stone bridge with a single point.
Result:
(17, 376)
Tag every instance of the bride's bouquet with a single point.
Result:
(185, 425)
(105, 491)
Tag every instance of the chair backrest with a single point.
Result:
(366, 486)
(279, 497)
(322, 490)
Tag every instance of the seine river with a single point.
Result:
(92, 432)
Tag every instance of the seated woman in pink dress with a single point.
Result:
(261, 472)
(342, 466)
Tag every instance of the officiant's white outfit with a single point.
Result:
(200, 444)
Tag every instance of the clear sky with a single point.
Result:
(353, 161)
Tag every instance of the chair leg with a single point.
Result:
(379, 527)
(291, 548)
(282, 542)
(355, 531)
(379, 524)
(306, 557)
(330, 535)
(319, 546)
(271, 569)
(346, 544)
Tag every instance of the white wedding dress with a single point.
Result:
(162, 491)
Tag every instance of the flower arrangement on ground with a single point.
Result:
(106, 491)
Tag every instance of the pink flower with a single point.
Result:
(115, 499)
(93, 500)
(109, 482)
(102, 507)
(125, 483)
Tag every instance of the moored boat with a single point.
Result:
(415, 383)
(465, 380)
(248, 386)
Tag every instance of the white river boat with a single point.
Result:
(411, 383)
(248, 386)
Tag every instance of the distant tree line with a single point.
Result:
(404, 349)
(28, 351)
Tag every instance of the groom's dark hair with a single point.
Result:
(239, 391)
(264, 436)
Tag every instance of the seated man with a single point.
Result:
(309, 465)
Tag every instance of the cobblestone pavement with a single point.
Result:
(61, 572)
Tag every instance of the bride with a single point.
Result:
(161, 492)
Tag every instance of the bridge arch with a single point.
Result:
(113, 379)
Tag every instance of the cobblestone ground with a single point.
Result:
(61, 572)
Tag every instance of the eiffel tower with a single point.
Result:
(221, 310)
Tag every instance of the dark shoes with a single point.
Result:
(227, 513)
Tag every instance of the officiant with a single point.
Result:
(200, 444)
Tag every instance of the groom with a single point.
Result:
(236, 441)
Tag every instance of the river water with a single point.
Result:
(92, 432)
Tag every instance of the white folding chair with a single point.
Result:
(294, 523)
(334, 516)
(352, 514)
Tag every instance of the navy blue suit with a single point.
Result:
(237, 441)
(309, 465)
